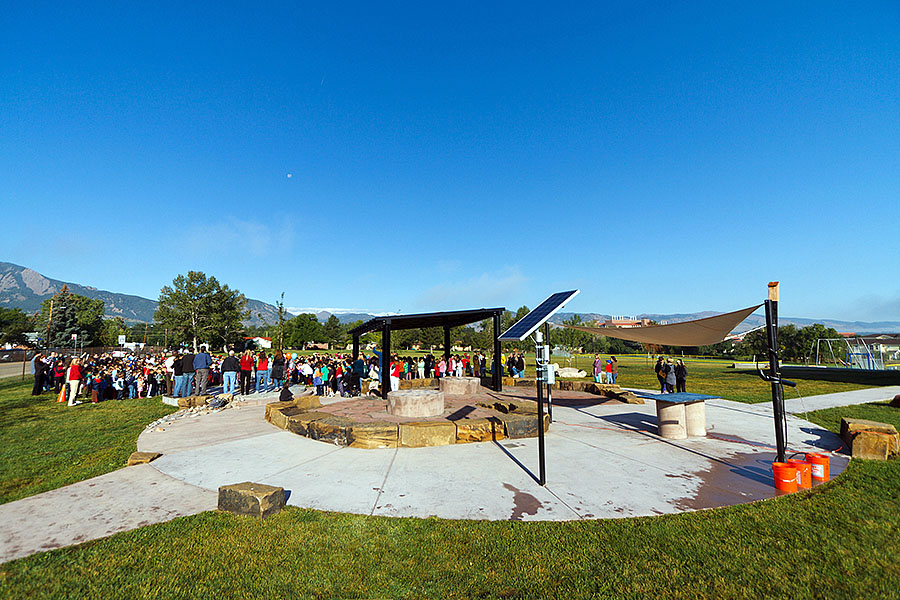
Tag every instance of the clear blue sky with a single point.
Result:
(415, 157)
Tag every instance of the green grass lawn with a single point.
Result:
(835, 541)
(45, 445)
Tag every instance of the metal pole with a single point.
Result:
(385, 359)
(542, 478)
(777, 393)
(549, 353)
(355, 346)
(495, 371)
(446, 342)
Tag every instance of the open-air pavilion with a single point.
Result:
(445, 320)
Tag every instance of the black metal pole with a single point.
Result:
(497, 367)
(385, 359)
(446, 342)
(549, 393)
(542, 478)
(777, 394)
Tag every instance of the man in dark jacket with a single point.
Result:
(230, 367)
(187, 365)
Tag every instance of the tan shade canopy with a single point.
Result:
(702, 332)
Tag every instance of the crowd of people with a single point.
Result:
(672, 376)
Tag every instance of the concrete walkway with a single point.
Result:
(602, 461)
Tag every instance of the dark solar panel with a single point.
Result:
(537, 317)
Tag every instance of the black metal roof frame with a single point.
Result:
(454, 318)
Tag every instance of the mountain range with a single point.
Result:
(24, 288)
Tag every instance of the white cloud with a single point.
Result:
(238, 236)
(335, 311)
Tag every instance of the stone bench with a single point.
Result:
(415, 403)
(680, 419)
(460, 386)
(870, 439)
(251, 499)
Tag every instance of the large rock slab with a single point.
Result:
(332, 429)
(378, 434)
(279, 417)
(460, 386)
(251, 499)
(427, 433)
(192, 401)
(301, 423)
(522, 425)
(140, 458)
(307, 401)
(870, 439)
(271, 407)
(570, 372)
(415, 403)
(479, 430)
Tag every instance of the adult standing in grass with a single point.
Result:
(598, 369)
(661, 374)
(615, 369)
(670, 376)
(680, 376)
(73, 380)
(37, 369)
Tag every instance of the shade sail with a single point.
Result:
(702, 332)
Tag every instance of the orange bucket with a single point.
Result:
(785, 477)
(804, 473)
(819, 463)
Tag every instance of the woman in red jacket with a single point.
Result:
(246, 371)
(73, 379)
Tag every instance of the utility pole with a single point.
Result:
(145, 334)
(49, 319)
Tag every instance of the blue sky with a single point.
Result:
(413, 157)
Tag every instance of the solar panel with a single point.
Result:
(537, 317)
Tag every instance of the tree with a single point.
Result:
(332, 329)
(112, 329)
(14, 324)
(198, 307)
(302, 329)
(280, 330)
(72, 314)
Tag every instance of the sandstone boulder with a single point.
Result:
(139, 458)
(332, 429)
(301, 422)
(479, 430)
(379, 434)
(251, 499)
(307, 401)
(896, 401)
(427, 433)
(522, 426)
(870, 439)
(275, 406)
(192, 401)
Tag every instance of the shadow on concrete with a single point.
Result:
(517, 461)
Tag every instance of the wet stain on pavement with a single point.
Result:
(523, 503)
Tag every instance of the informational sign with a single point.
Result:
(74, 336)
(121, 340)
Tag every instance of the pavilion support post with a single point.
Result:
(497, 367)
(355, 346)
(385, 359)
(774, 376)
(446, 342)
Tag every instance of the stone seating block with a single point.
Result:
(279, 417)
(522, 425)
(251, 499)
(307, 401)
(460, 386)
(415, 403)
(870, 439)
(274, 406)
(301, 422)
(427, 433)
(479, 430)
(140, 458)
(333, 429)
(192, 401)
(378, 434)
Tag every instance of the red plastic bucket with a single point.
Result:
(819, 464)
(785, 477)
(804, 473)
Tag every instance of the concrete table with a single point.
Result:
(415, 403)
(680, 416)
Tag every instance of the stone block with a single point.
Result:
(896, 401)
(332, 429)
(460, 386)
(274, 406)
(379, 434)
(427, 433)
(192, 401)
(301, 422)
(508, 381)
(279, 417)
(415, 403)
(139, 458)
(630, 398)
(251, 499)
(871, 445)
(479, 430)
(225, 397)
(870, 439)
(503, 407)
(307, 402)
(565, 385)
(522, 426)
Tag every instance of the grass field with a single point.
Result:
(45, 445)
(836, 541)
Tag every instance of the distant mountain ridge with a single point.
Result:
(26, 289)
